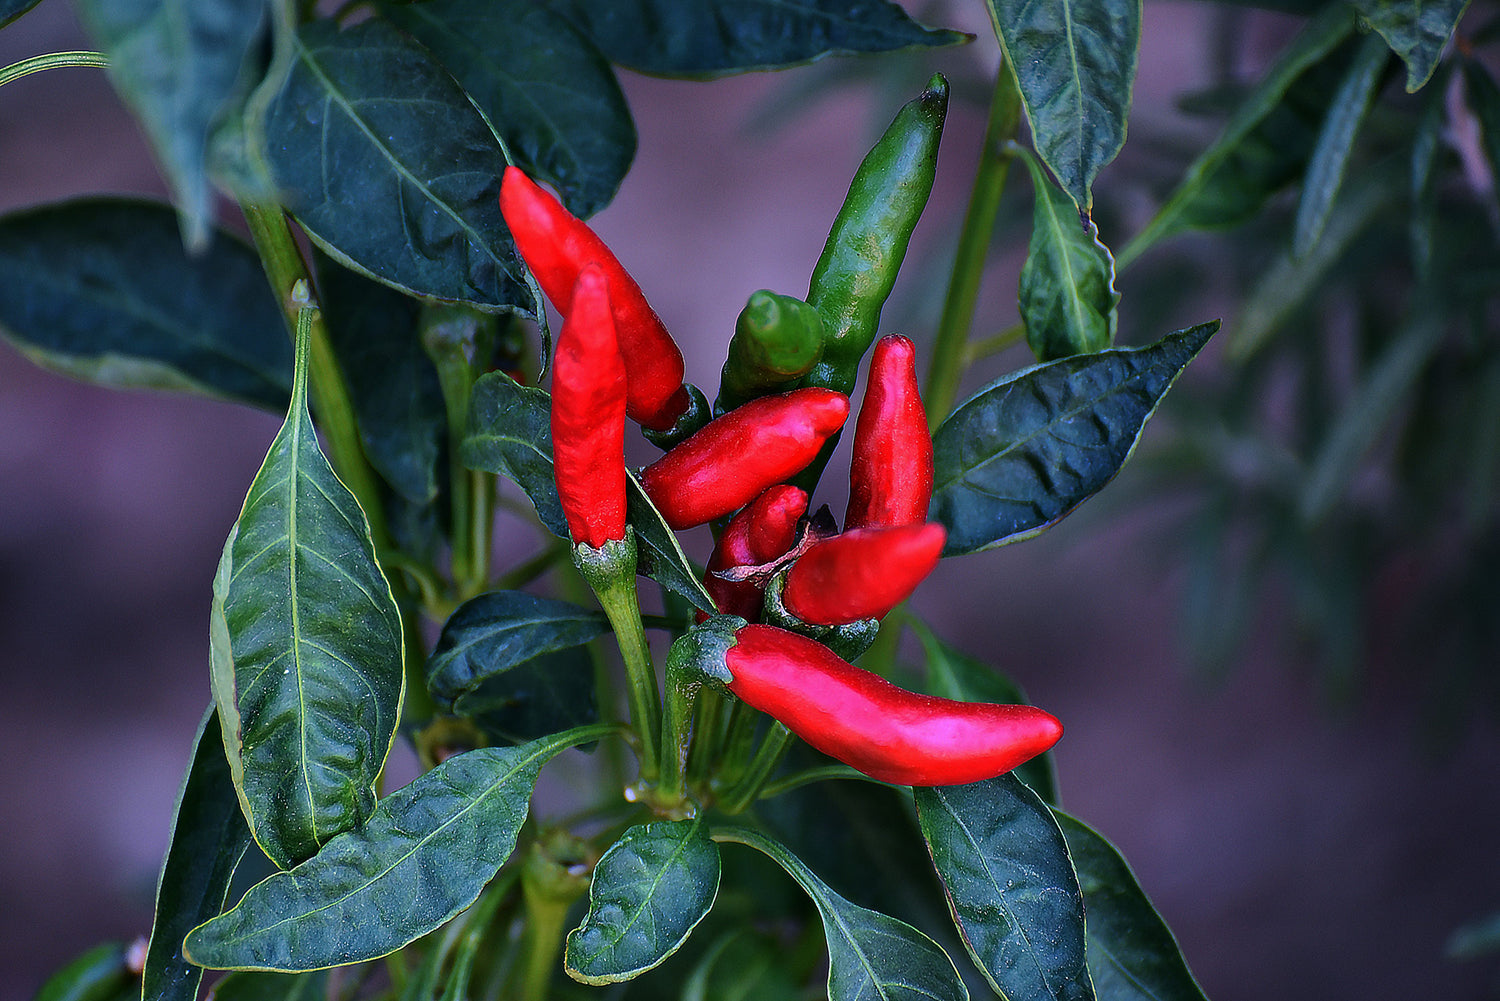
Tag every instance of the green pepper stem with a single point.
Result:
(995, 343)
(610, 571)
(683, 687)
(822, 773)
(777, 742)
(52, 61)
(947, 366)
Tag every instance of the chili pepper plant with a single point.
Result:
(414, 180)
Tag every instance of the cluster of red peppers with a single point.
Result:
(771, 561)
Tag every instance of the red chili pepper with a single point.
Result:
(731, 459)
(588, 415)
(890, 474)
(556, 245)
(861, 574)
(757, 535)
(886, 732)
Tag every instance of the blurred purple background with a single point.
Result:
(1296, 852)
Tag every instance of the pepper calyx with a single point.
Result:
(848, 640)
(703, 650)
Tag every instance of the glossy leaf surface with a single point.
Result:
(423, 856)
(209, 837)
(179, 64)
(697, 38)
(1131, 953)
(542, 84)
(1335, 145)
(1416, 30)
(510, 434)
(1018, 456)
(649, 892)
(101, 290)
(1075, 64)
(397, 398)
(871, 956)
(1067, 290)
(305, 648)
(1011, 886)
(1263, 146)
(953, 674)
(389, 168)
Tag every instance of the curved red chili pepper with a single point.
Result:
(864, 721)
(861, 574)
(757, 535)
(556, 245)
(890, 473)
(731, 459)
(588, 415)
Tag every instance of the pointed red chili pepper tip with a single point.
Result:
(862, 573)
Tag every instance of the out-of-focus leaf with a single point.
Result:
(180, 65)
(1262, 147)
(100, 974)
(1131, 953)
(1022, 453)
(1416, 30)
(1382, 390)
(871, 956)
(257, 985)
(12, 9)
(1484, 99)
(510, 433)
(1075, 65)
(1067, 290)
(1011, 886)
(704, 38)
(424, 855)
(541, 83)
(1480, 938)
(397, 398)
(305, 647)
(390, 169)
(209, 837)
(743, 965)
(1426, 144)
(1335, 145)
(100, 289)
(952, 674)
(649, 891)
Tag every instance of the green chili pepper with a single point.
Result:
(777, 340)
(869, 237)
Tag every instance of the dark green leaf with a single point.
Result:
(12, 9)
(1335, 145)
(424, 855)
(510, 433)
(1478, 938)
(397, 398)
(1416, 30)
(742, 965)
(180, 65)
(952, 674)
(542, 84)
(101, 290)
(1264, 145)
(1131, 953)
(544, 695)
(698, 38)
(305, 648)
(391, 170)
(870, 955)
(498, 631)
(1075, 65)
(1011, 886)
(649, 892)
(660, 555)
(100, 974)
(1022, 453)
(1067, 291)
(209, 837)
(1383, 389)
(1426, 145)
(261, 986)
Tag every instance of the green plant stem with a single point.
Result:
(994, 344)
(822, 773)
(738, 744)
(683, 689)
(708, 734)
(522, 574)
(777, 742)
(948, 356)
(52, 61)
